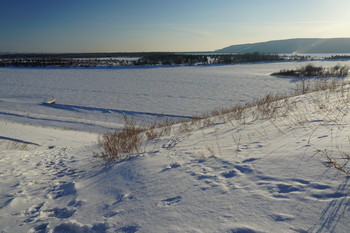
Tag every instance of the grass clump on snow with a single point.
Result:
(130, 139)
(121, 144)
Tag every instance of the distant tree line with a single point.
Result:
(63, 62)
(247, 57)
(73, 55)
(87, 60)
(173, 59)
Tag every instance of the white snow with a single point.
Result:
(267, 175)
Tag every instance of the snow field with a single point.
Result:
(264, 175)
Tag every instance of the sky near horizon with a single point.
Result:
(162, 25)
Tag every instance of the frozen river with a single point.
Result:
(102, 94)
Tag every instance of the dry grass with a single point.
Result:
(335, 164)
(18, 146)
(131, 138)
(237, 140)
(158, 129)
(123, 143)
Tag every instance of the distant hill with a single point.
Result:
(306, 45)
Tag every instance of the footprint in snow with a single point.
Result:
(110, 214)
(243, 230)
(243, 168)
(75, 227)
(285, 188)
(124, 197)
(65, 190)
(61, 212)
(42, 228)
(128, 229)
(229, 174)
(75, 203)
(324, 196)
(282, 217)
(169, 201)
(33, 212)
(171, 166)
(249, 160)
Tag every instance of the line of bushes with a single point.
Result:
(315, 71)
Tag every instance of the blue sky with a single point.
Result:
(155, 25)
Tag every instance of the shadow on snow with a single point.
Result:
(76, 108)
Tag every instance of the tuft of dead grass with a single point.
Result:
(335, 164)
(158, 129)
(121, 144)
(18, 146)
(131, 139)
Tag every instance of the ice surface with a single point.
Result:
(106, 94)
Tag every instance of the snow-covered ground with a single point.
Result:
(268, 175)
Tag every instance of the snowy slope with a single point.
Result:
(265, 175)
(262, 176)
